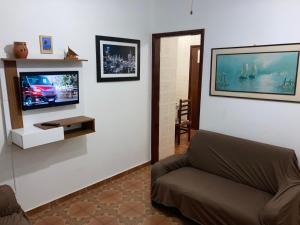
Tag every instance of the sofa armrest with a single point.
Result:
(8, 202)
(283, 208)
(167, 165)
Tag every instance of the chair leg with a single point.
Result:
(178, 136)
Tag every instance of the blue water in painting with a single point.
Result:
(270, 73)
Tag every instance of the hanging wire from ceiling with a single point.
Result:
(192, 6)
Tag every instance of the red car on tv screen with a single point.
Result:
(38, 90)
(45, 89)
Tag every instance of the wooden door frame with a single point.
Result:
(199, 84)
(156, 83)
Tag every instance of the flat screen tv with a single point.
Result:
(48, 89)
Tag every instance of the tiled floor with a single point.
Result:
(123, 201)
(184, 143)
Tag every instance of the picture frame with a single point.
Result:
(118, 59)
(260, 72)
(46, 44)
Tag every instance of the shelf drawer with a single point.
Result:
(32, 136)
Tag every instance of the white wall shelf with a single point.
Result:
(40, 134)
(33, 136)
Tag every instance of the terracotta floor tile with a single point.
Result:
(76, 212)
(110, 196)
(57, 220)
(123, 201)
(94, 222)
(102, 221)
(38, 222)
(155, 220)
(48, 220)
(133, 185)
(107, 220)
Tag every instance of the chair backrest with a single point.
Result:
(265, 167)
(184, 110)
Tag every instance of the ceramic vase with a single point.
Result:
(20, 50)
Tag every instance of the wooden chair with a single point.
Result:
(183, 123)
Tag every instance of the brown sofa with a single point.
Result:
(10, 211)
(223, 180)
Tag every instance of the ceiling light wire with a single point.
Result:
(192, 6)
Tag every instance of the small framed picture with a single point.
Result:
(46, 44)
(118, 59)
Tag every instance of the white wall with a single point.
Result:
(121, 109)
(239, 23)
(167, 96)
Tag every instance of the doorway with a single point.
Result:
(194, 83)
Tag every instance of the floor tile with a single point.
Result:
(123, 201)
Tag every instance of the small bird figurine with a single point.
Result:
(71, 54)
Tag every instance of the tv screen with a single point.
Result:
(47, 89)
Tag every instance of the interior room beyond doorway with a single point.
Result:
(178, 104)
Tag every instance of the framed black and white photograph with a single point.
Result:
(118, 59)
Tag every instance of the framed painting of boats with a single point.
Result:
(265, 72)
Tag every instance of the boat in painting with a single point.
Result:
(269, 73)
(288, 83)
(222, 81)
(244, 72)
(253, 73)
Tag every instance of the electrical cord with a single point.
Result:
(192, 6)
(13, 168)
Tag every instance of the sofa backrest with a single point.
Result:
(262, 166)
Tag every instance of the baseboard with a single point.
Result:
(88, 188)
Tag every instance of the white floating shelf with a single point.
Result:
(29, 137)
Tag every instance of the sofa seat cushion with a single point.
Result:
(14, 219)
(209, 199)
